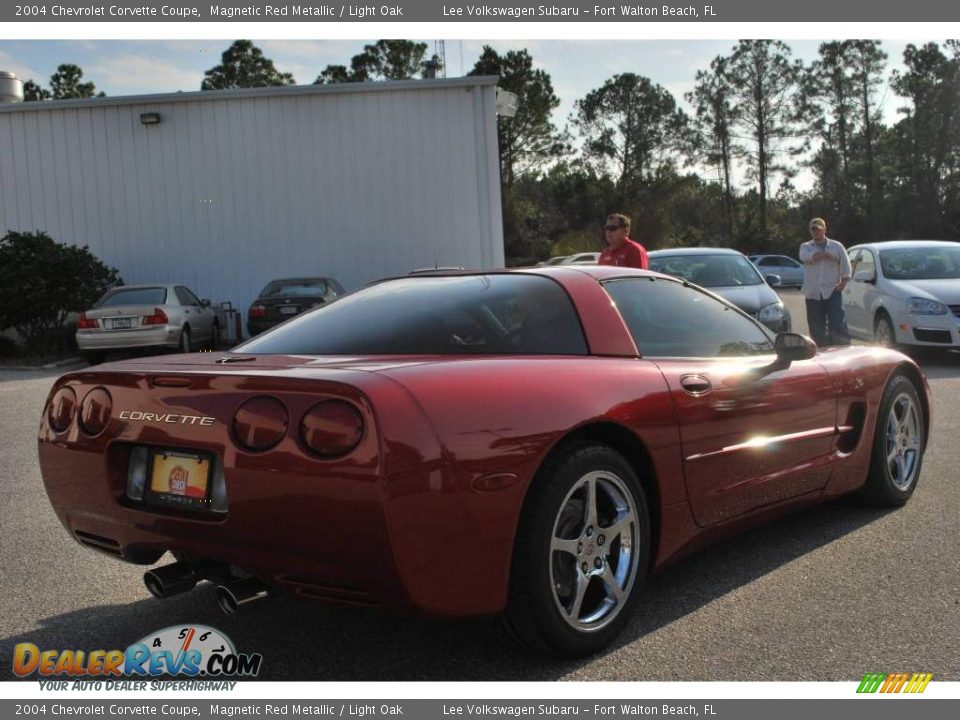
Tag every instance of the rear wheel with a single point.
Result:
(94, 357)
(185, 340)
(898, 445)
(581, 553)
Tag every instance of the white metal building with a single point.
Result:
(225, 190)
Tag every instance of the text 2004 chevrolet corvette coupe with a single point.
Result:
(532, 443)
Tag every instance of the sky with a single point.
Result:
(120, 67)
(136, 67)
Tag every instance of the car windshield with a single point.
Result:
(921, 263)
(471, 314)
(307, 287)
(134, 296)
(708, 270)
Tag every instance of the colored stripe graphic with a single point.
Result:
(894, 682)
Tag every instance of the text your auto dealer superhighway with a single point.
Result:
(118, 11)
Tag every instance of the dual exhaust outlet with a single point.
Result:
(181, 577)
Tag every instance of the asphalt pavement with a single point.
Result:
(826, 594)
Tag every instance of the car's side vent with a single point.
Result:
(852, 428)
(98, 542)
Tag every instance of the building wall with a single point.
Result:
(232, 189)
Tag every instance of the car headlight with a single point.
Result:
(771, 313)
(922, 306)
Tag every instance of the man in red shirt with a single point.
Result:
(621, 250)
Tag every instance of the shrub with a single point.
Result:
(42, 282)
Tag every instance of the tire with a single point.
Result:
(574, 581)
(186, 344)
(898, 445)
(94, 357)
(215, 337)
(883, 332)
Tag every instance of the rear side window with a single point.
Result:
(669, 319)
(134, 296)
(474, 314)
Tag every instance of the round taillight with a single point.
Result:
(260, 423)
(332, 428)
(62, 408)
(95, 411)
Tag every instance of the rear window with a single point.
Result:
(134, 296)
(475, 314)
(315, 286)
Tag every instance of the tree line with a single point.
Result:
(722, 173)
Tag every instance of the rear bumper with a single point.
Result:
(321, 538)
(255, 327)
(162, 335)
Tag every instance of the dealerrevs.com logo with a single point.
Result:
(190, 651)
(895, 682)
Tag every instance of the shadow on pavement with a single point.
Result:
(309, 641)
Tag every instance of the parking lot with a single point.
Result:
(827, 594)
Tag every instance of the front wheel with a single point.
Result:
(883, 332)
(581, 554)
(898, 445)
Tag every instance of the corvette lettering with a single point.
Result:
(167, 418)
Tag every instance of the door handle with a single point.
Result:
(695, 384)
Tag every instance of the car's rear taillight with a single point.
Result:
(332, 428)
(260, 423)
(63, 406)
(95, 411)
(85, 323)
(159, 317)
(258, 311)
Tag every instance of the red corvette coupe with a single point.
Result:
(532, 443)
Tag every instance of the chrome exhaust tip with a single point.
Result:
(169, 580)
(232, 595)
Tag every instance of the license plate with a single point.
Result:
(121, 323)
(179, 478)
(288, 309)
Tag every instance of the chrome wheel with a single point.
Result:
(903, 441)
(594, 551)
(883, 332)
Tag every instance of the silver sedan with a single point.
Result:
(161, 317)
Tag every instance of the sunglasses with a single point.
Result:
(611, 228)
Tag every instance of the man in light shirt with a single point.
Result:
(826, 271)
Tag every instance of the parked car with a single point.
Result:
(283, 299)
(731, 275)
(789, 270)
(905, 292)
(552, 261)
(588, 258)
(412, 443)
(155, 317)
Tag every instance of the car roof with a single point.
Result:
(141, 286)
(906, 244)
(694, 251)
(600, 272)
(299, 279)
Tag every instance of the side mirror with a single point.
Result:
(793, 346)
(205, 302)
(773, 280)
(866, 276)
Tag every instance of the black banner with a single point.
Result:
(491, 11)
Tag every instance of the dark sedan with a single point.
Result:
(730, 275)
(283, 299)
